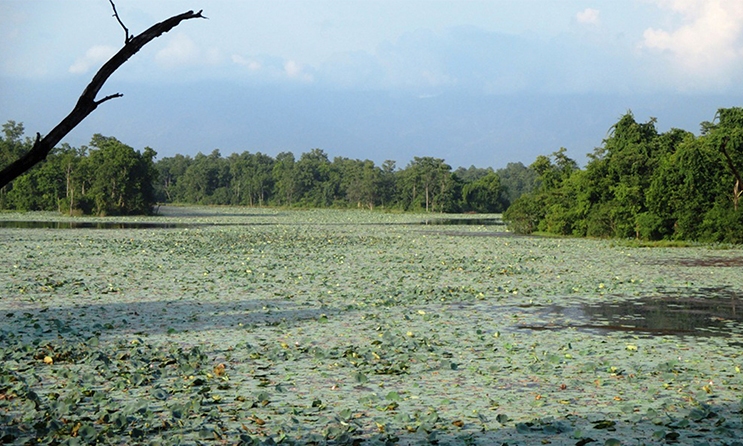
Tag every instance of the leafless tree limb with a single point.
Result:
(737, 192)
(731, 165)
(116, 14)
(87, 103)
(111, 96)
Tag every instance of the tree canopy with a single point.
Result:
(110, 178)
(640, 183)
(644, 184)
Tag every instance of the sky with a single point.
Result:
(475, 82)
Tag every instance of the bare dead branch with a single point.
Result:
(87, 103)
(111, 96)
(736, 189)
(731, 165)
(116, 14)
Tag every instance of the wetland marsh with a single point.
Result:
(249, 326)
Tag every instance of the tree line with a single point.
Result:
(110, 178)
(640, 183)
(643, 184)
(105, 178)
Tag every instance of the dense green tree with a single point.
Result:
(727, 137)
(12, 146)
(388, 187)
(69, 160)
(238, 177)
(517, 180)
(122, 180)
(639, 183)
(484, 195)
(312, 173)
(555, 197)
(171, 171)
(12, 143)
(361, 182)
(206, 176)
(472, 173)
(107, 178)
(429, 182)
(524, 215)
(643, 184)
(285, 179)
(258, 179)
(681, 191)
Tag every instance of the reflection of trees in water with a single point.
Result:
(716, 261)
(695, 310)
(22, 224)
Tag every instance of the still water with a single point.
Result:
(35, 224)
(702, 312)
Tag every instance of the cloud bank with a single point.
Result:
(94, 57)
(706, 45)
(588, 16)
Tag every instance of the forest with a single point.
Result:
(639, 183)
(110, 178)
(643, 184)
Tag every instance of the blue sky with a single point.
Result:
(473, 82)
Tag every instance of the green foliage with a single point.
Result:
(524, 215)
(639, 184)
(248, 326)
(484, 195)
(549, 208)
(109, 178)
(427, 183)
(722, 223)
(643, 184)
(517, 180)
(12, 146)
(122, 179)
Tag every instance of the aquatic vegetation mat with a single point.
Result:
(341, 327)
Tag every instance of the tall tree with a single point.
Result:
(516, 180)
(171, 171)
(284, 173)
(484, 194)
(727, 134)
(431, 178)
(122, 180)
(313, 173)
(203, 177)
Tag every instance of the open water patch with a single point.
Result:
(463, 222)
(705, 262)
(71, 224)
(720, 313)
(26, 224)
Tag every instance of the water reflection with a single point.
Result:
(38, 224)
(708, 312)
(22, 224)
(464, 221)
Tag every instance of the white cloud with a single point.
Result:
(588, 16)
(180, 50)
(292, 68)
(95, 56)
(295, 71)
(707, 44)
(251, 64)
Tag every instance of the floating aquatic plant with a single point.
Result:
(339, 327)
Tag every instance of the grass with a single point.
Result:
(352, 327)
